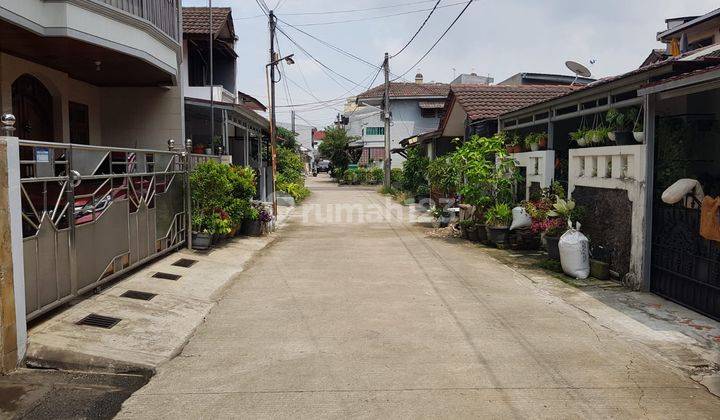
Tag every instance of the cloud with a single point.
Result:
(499, 38)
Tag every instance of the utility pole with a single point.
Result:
(386, 116)
(273, 129)
(212, 81)
(292, 121)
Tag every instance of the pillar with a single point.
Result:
(13, 332)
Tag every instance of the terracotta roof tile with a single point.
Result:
(196, 20)
(490, 101)
(419, 90)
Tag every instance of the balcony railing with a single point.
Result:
(161, 13)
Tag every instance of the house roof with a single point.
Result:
(689, 61)
(196, 20)
(682, 76)
(319, 135)
(689, 23)
(408, 90)
(251, 102)
(482, 102)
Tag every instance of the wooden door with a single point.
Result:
(33, 109)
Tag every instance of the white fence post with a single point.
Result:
(13, 324)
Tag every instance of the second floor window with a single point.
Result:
(375, 131)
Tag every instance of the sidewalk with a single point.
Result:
(150, 332)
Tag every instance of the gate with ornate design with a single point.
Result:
(92, 213)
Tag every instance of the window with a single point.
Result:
(375, 131)
(79, 123)
(431, 112)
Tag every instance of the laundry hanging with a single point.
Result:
(710, 218)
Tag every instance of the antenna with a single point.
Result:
(578, 69)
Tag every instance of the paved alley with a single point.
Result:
(347, 317)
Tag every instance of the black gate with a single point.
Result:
(685, 266)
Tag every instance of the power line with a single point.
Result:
(327, 44)
(418, 31)
(332, 12)
(334, 22)
(318, 61)
(438, 40)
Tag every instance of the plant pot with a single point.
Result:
(208, 151)
(534, 147)
(201, 241)
(582, 142)
(551, 242)
(251, 227)
(474, 234)
(517, 149)
(600, 270)
(611, 135)
(198, 150)
(482, 235)
(624, 138)
(639, 136)
(497, 234)
(543, 143)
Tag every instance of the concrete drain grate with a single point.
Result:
(184, 262)
(166, 276)
(136, 294)
(100, 321)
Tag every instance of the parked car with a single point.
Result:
(323, 166)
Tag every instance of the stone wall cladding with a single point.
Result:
(608, 222)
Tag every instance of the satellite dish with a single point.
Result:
(578, 69)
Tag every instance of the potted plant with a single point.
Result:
(466, 225)
(440, 217)
(599, 262)
(553, 230)
(532, 141)
(620, 124)
(498, 219)
(252, 225)
(639, 131)
(543, 141)
(596, 136)
(580, 137)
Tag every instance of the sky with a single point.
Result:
(493, 37)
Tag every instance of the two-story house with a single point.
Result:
(96, 72)
(235, 129)
(415, 108)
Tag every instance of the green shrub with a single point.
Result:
(499, 215)
(415, 170)
(443, 174)
(377, 175)
(396, 177)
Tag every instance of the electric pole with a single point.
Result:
(212, 81)
(386, 116)
(273, 129)
(292, 121)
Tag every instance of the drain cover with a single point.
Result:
(166, 276)
(100, 321)
(184, 262)
(135, 294)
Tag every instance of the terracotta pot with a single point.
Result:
(543, 143)
(473, 233)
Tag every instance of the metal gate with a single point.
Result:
(92, 213)
(685, 266)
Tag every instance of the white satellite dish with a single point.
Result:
(578, 69)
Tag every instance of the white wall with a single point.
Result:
(406, 121)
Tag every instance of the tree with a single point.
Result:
(335, 147)
(287, 138)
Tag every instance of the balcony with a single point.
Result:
(219, 94)
(161, 13)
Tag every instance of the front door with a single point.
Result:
(33, 109)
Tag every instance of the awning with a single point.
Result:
(431, 105)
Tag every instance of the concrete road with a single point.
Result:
(345, 316)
